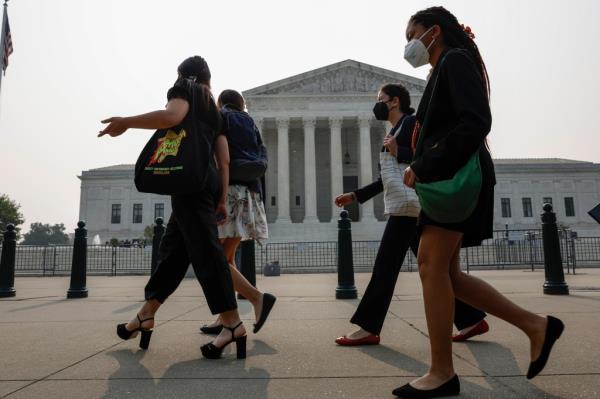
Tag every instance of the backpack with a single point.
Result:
(247, 152)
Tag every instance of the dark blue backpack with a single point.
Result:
(247, 153)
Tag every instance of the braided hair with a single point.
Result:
(455, 35)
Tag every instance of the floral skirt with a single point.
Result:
(246, 217)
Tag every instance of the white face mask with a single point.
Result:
(415, 51)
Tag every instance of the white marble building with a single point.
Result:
(322, 141)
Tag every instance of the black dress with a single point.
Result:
(458, 121)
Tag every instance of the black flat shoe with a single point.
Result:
(216, 330)
(554, 329)
(268, 302)
(210, 351)
(450, 388)
(125, 334)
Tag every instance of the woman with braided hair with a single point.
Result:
(453, 121)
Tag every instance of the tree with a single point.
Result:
(149, 232)
(9, 213)
(44, 234)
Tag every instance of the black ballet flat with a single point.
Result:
(268, 302)
(554, 330)
(449, 388)
(210, 351)
(125, 334)
(216, 330)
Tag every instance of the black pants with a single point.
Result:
(191, 236)
(400, 234)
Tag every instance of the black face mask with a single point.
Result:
(381, 111)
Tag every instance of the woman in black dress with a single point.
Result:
(455, 107)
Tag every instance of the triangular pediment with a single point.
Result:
(346, 77)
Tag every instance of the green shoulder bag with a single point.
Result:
(452, 200)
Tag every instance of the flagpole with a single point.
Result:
(2, 40)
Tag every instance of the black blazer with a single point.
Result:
(458, 119)
(404, 155)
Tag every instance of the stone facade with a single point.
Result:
(322, 141)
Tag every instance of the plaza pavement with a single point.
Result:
(51, 347)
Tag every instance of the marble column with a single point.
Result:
(259, 125)
(283, 171)
(366, 169)
(310, 171)
(337, 173)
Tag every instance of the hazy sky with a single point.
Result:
(76, 62)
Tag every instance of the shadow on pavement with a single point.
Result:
(198, 378)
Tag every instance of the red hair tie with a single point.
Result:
(468, 31)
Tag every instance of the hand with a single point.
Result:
(221, 213)
(344, 199)
(390, 143)
(409, 177)
(116, 126)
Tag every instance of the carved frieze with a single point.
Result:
(345, 80)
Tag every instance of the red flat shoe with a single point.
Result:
(368, 340)
(480, 328)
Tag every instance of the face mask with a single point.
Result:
(415, 51)
(381, 111)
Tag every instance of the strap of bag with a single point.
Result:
(397, 132)
(419, 145)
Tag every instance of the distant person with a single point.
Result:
(191, 233)
(241, 208)
(402, 208)
(453, 120)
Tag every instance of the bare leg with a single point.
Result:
(437, 248)
(477, 292)
(147, 311)
(240, 284)
(230, 319)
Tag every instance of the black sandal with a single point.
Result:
(125, 334)
(215, 330)
(210, 351)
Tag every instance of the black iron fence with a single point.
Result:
(101, 260)
(508, 249)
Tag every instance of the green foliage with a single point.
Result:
(148, 232)
(9, 213)
(44, 234)
(114, 242)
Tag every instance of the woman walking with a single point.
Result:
(191, 234)
(402, 208)
(453, 122)
(241, 208)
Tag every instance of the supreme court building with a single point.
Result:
(322, 141)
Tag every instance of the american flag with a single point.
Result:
(8, 46)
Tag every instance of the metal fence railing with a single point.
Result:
(508, 249)
(101, 260)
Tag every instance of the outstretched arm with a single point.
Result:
(172, 115)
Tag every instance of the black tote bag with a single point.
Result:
(176, 160)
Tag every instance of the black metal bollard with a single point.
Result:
(248, 263)
(7, 263)
(555, 277)
(79, 265)
(159, 232)
(345, 288)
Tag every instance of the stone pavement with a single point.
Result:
(51, 347)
